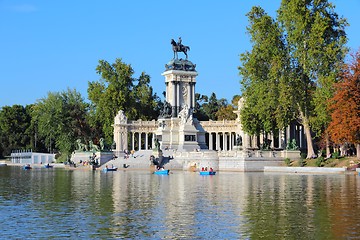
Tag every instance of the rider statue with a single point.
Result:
(179, 43)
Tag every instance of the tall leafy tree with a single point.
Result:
(227, 110)
(15, 122)
(146, 102)
(61, 119)
(212, 106)
(345, 106)
(292, 66)
(110, 94)
(265, 90)
(118, 89)
(199, 112)
(315, 39)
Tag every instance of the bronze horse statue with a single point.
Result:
(179, 48)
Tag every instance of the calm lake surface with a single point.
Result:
(58, 203)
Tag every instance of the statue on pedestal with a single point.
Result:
(81, 146)
(186, 115)
(179, 47)
(166, 111)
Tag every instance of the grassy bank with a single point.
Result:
(345, 162)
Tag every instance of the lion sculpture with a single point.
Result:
(81, 146)
(93, 147)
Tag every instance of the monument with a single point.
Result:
(93, 154)
(178, 129)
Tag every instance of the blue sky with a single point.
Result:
(48, 46)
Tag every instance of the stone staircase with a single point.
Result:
(140, 160)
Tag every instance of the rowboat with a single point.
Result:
(27, 167)
(48, 166)
(207, 173)
(110, 169)
(162, 172)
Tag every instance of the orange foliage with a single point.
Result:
(345, 105)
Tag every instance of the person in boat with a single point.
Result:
(202, 169)
(205, 168)
(48, 164)
(211, 169)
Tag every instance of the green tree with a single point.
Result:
(14, 128)
(266, 93)
(110, 94)
(61, 119)
(146, 103)
(199, 112)
(299, 57)
(118, 89)
(212, 106)
(226, 111)
(315, 38)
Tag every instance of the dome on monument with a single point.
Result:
(180, 64)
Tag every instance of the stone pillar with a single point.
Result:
(287, 138)
(193, 93)
(217, 140)
(140, 135)
(210, 141)
(231, 141)
(133, 141)
(153, 141)
(146, 141)
(174, 104)
(224, 141)
(300, 136)
(178, 98)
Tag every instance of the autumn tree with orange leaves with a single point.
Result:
(345, 106)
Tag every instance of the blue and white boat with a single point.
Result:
(27, 167)
(113, 169)
(207, 172)
(162, 172)
(48, 166)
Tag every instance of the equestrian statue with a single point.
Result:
(179, 47)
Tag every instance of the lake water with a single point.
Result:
(59, 203)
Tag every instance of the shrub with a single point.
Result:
(336, 155)
(319, 161)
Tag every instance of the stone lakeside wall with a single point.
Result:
(320, 170)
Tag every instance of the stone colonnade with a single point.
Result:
(220, 135)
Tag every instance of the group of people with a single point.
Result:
(127, 154)
(206, 169)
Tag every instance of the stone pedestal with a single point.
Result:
(175, 135)
(292, 154)
(102, 157)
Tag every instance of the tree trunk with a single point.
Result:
(309, 142)
(358, 151)
(327, 142)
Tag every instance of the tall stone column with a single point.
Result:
(224, 141)
(140, 133)
(174, 102)
(193, 93)
(146, 141)
(132, 140)
(210, 141)
(178, 99)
